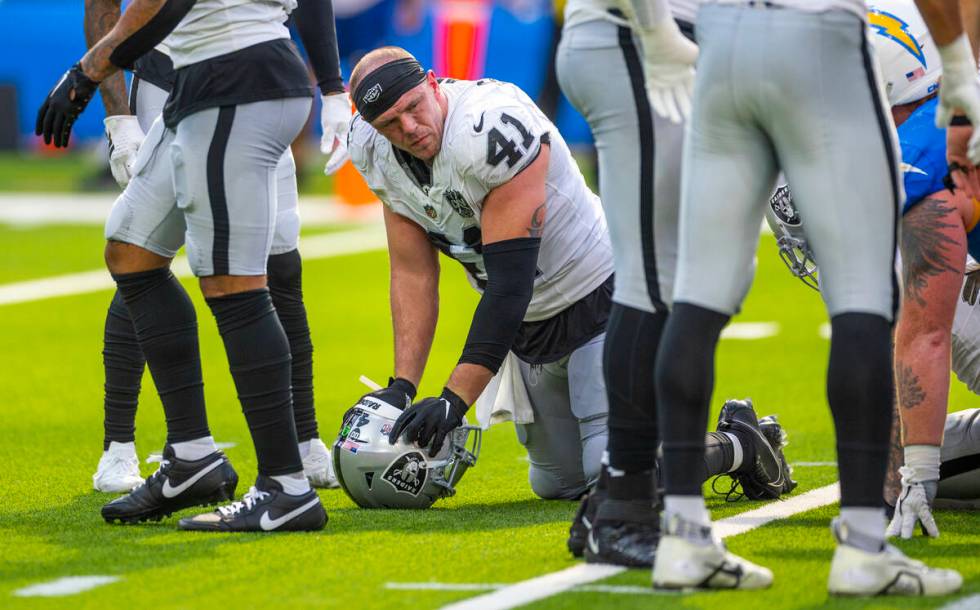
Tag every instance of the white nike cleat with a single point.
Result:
(318, 466)
(119, 469)
(855, 571)
(689, 558)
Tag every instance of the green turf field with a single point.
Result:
(493, 531)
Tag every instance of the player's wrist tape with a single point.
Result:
(458, 404)
(511, 266)
(380, 89)
(960, 120)
(403, 385)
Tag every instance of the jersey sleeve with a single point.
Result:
(923, 172)
(361, 141)
(498, 139)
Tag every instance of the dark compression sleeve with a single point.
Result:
(314, 21)
(151, 34)
(511, 266)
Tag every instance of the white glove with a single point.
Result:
(668, 64)
(960, 88)
(335, 118)
(125, 137)
(914, 505)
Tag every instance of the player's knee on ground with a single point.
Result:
(551, 485)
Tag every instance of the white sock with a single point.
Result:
(924, 461)
(194, 450)
(116, 447)
(737, 450)
(304, 449)
(690, 508)
(870, 522)
(293, 484)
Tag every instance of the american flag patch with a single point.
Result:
(915, 74)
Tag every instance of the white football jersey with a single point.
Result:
(492, 132)
(219, 27)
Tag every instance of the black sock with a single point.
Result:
(719, 455)
(123, 361)
(285, 272)
(166, 326)
(258, 356)
(860, 389)
(685, 378)
(632, 338)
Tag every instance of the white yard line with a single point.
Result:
(68, 585)
(317, 246)
(970, 602)
(750, 330)
(525, 592)
(466, 586)
(812, 464)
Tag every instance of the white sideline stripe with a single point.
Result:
(805, 464)
(971, 602)
(750, 330)
(534, 589)
(466, 586)
(68, 585)
(225, 445)
(318, 246)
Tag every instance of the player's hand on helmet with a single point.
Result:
(668, 65)
(125, 137)
(959, 92)
(400, 393)
(335, 116)
(430, 420)
(914, 506)
(64, 103)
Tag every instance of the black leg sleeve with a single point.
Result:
(166, 326)
(258, 355)
(860, 389)
(685, 378)
(632, 339)
(285, 272)
(123, 361)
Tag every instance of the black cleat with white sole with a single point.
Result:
(624, 533)
(578, 533)
(176, 485)
(763, 476)
(265, 508)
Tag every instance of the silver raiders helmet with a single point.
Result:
(376, 474)
(786, 225)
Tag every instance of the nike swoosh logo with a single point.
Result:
(479, 126)
(170, 491)
(593, 546)
(911, 169)
(270, 524)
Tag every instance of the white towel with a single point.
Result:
(505, 397)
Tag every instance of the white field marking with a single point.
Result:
(38, 209)
(525, 592)
(812, 464)
(970, 602)
(318, 246)
(824, 330)
(466, 586)
(68, 585)
(225, 445)
(750, 330)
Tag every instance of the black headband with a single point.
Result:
(381, 88)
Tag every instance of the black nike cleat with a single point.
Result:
(764, 477)
(176, 485)
(578, 533)
(625, 533)
(265, 508)
(774, 433)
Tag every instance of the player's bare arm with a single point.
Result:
(100, 17)
(511, 211)
(414, 294)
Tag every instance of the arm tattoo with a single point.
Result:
(96, 64)
(896, 459)
(100, 17)
(537, 221)
(910, 393)
(925, 250)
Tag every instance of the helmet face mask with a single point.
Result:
(376, 474)
(787, 226)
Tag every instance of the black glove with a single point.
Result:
(63, 105)
(400, 393)
(430, 420)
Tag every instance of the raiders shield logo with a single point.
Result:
(782, 207)
(430, 211)
(372, 94)
(407, 473)
(458, 203)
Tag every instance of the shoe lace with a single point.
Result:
(247, 502)
(734, 493)
(151, 459)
